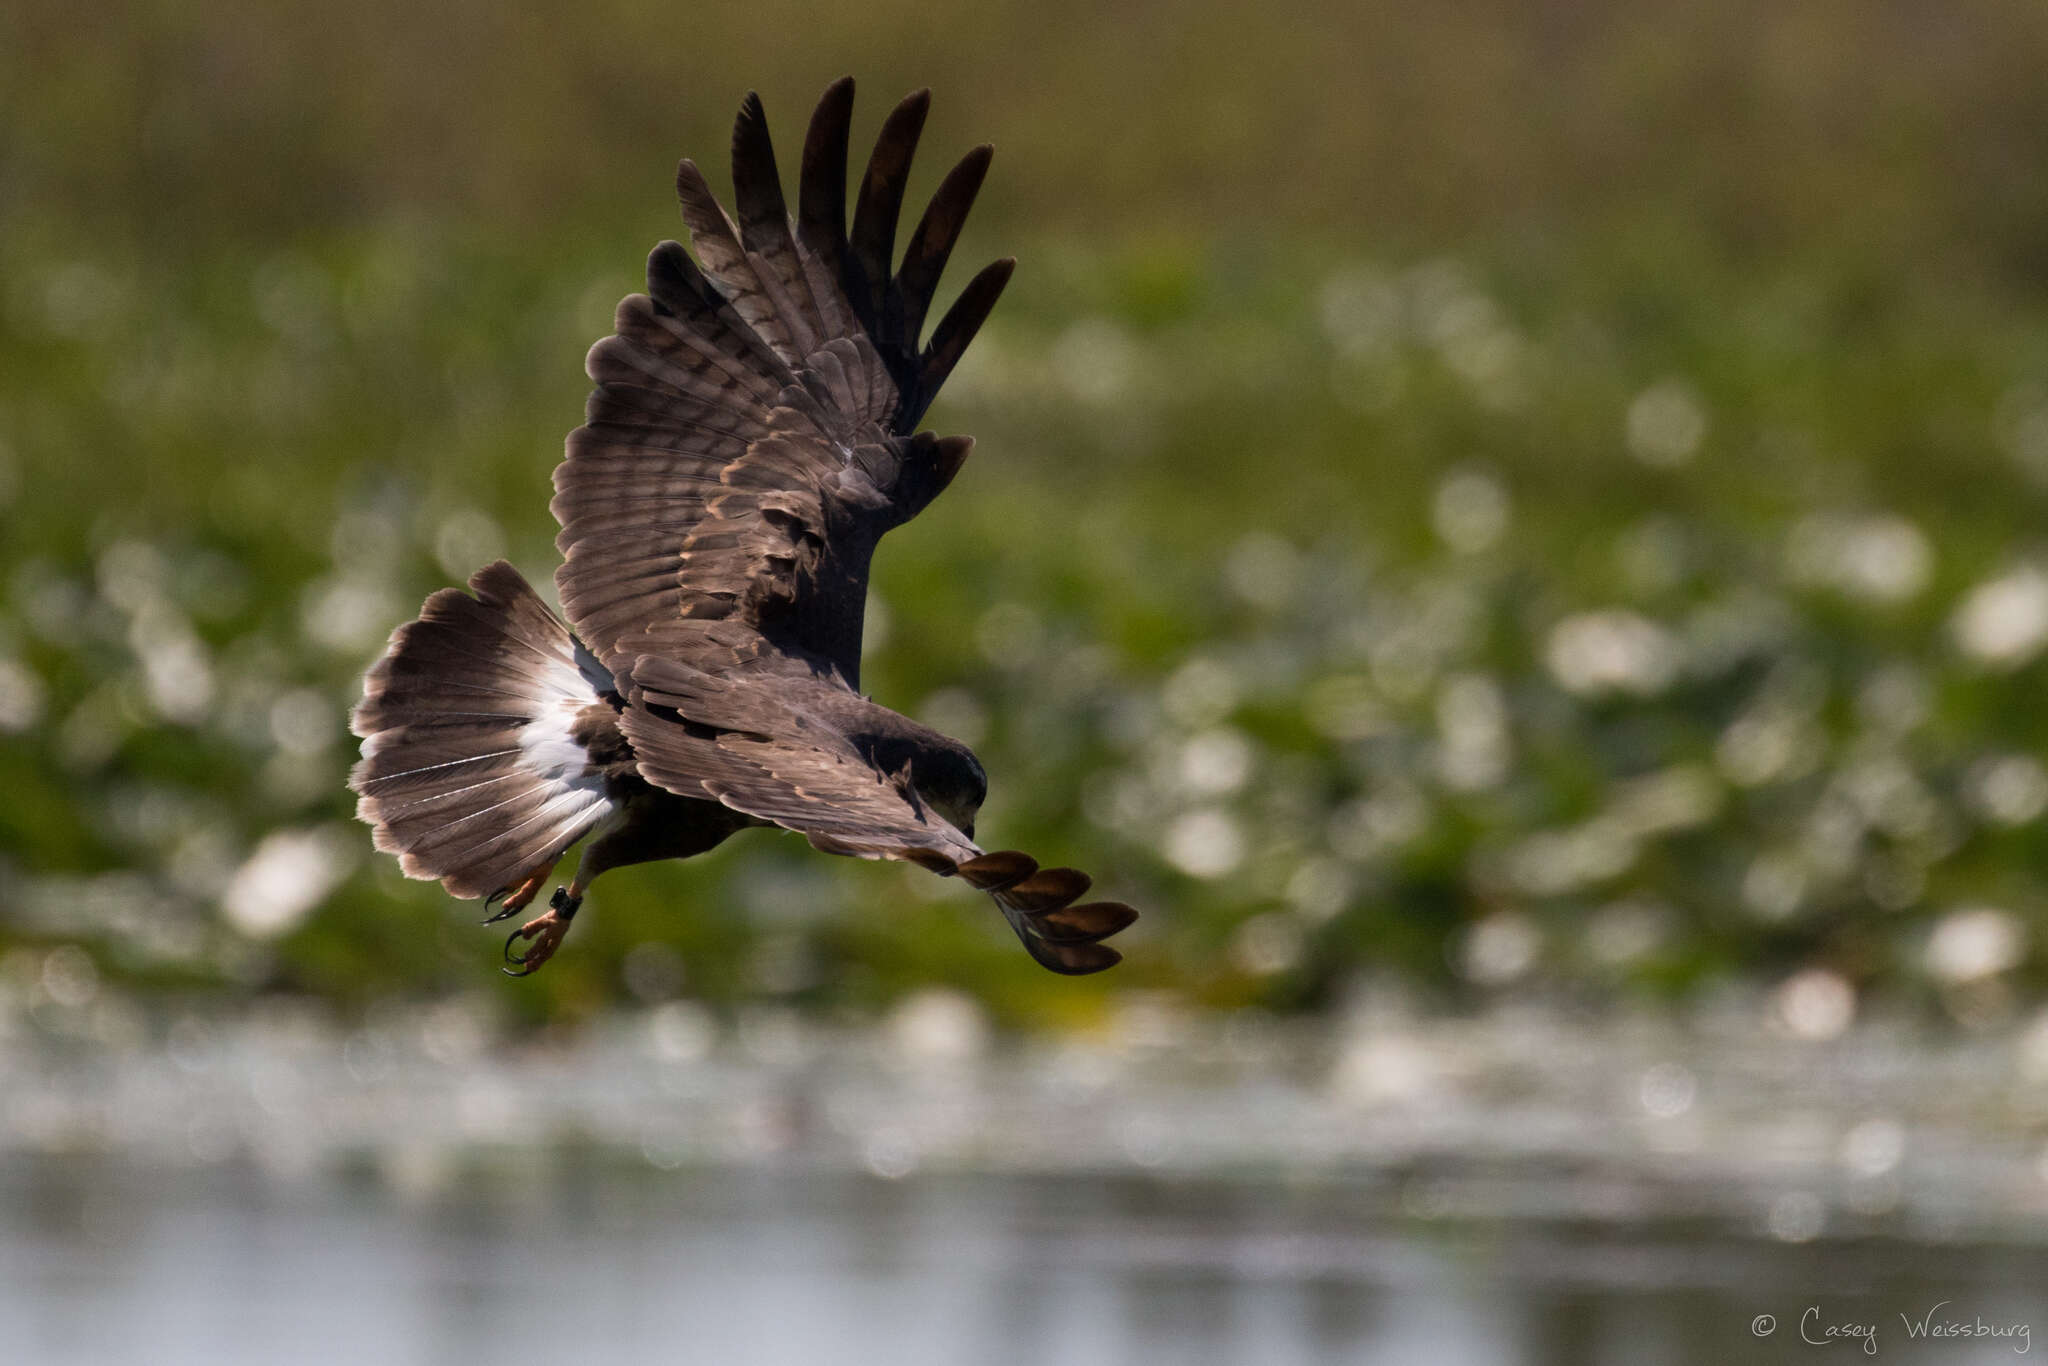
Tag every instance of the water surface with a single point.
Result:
(585, 1257)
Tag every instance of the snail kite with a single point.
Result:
(752, 435)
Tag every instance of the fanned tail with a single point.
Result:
(472, 771)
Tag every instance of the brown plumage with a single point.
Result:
(752, 436)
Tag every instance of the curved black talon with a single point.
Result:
(491, 901)
(524, 969)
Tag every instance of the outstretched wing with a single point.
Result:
(761, 739)
(750, 437)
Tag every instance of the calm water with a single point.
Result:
(587, 1258)
(1522, 1187)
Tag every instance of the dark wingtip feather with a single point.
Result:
(821, 193)
(930, 246)
(1073, 960)
(756, 184)
(876, 212)
(993, 872)
(1047, 889)
(962, 321)
(1084, 924)
(690, 183)
(932, 860)
(951, 454)
(673, 280)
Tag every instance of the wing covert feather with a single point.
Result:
(744, 737)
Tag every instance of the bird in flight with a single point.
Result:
(753, 433)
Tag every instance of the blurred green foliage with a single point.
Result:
(1498, 493)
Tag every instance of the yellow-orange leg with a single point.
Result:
(546, 931)
(523, 892)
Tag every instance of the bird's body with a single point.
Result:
(752, 437)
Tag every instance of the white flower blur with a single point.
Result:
(2003, 623)
(288, 875)
(1974, 942)
(1666, 424)
(1612, 651)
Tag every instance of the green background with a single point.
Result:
(1508, 497)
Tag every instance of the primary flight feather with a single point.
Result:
(752, 435)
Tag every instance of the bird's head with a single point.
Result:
(950, 778)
